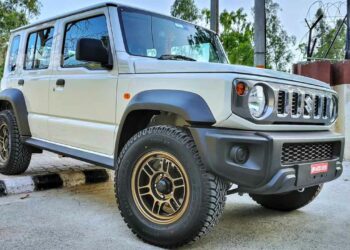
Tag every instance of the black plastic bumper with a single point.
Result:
(263, 172)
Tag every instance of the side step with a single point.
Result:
(99, 160)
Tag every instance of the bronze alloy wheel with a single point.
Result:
(160, 187)
(4, 142)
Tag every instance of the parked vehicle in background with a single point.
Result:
(154, 98)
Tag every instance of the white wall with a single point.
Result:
(343, 123)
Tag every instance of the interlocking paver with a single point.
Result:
(52, 163)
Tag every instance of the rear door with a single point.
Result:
(83, 95)
(35, 76)
(12, 69)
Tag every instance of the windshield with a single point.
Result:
(152, 35)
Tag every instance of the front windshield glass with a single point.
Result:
(152, 35)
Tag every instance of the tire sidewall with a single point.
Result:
(5, 118)
(190, 222)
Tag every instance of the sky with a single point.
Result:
(292, 17)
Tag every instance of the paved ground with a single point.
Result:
(86, 217)
(52, 163)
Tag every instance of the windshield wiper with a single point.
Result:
(176, 57)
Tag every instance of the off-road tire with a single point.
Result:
(288, 201)
(19, 154)
(208, 192)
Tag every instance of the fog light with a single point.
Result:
(239, 154)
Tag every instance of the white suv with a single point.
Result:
(154, 98)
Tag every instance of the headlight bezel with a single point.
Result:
(241, 103)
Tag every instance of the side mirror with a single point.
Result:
(93, 50)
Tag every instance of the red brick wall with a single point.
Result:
(332, 73)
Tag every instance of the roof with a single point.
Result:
(92, 7)
(71, 13)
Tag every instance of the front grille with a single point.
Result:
(294, 106)
(307, 152)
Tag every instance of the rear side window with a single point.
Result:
(14, 53)
(94, 27)
(38, 50)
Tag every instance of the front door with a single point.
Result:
(82, 96)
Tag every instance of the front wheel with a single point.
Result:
(164, 192)
(288, 201)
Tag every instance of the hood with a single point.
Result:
(150, 65)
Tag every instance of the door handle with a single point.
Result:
(21, 82)
(60, 83)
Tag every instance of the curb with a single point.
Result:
(29, 184)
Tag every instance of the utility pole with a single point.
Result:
(214, 16)
(260, 34)
(347, 52)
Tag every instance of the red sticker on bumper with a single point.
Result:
(319, 168)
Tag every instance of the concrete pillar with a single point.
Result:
(342, 125)
(214, 15)
(347, 49)
(260, 34)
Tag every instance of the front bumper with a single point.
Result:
(264, 172)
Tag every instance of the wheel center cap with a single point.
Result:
(164, 186)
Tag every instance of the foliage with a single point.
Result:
(238, 34)
(237, 37)
(279, 53)
(186, 10)
(325, 34)
(14, 13)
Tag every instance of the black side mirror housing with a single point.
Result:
(93, 50)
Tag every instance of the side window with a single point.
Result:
(14, 53)
(95, 27)
(38, 49)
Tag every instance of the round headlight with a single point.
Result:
(257, 101)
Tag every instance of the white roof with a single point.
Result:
(92, 7)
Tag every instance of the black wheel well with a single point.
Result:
(138, 120)
(5, 105)
(135, 121)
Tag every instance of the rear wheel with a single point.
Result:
(15, 156)
(164, 192)
(288, 201)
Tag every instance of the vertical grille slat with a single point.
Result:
(317, 106)
(281, 102)
(295, 103)
(324, 110)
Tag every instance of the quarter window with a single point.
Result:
(95, 28)
(38, 49)
(14, 53)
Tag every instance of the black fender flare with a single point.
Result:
(16, 99)
(190, 106)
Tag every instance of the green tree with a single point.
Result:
(325, 34)
(237, 37)
(186, 10)
(279, 43)
(14, 13)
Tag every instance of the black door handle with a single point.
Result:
(21, 82)
(60, 82)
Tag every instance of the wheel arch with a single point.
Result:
(14, 99)
(191, 107)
